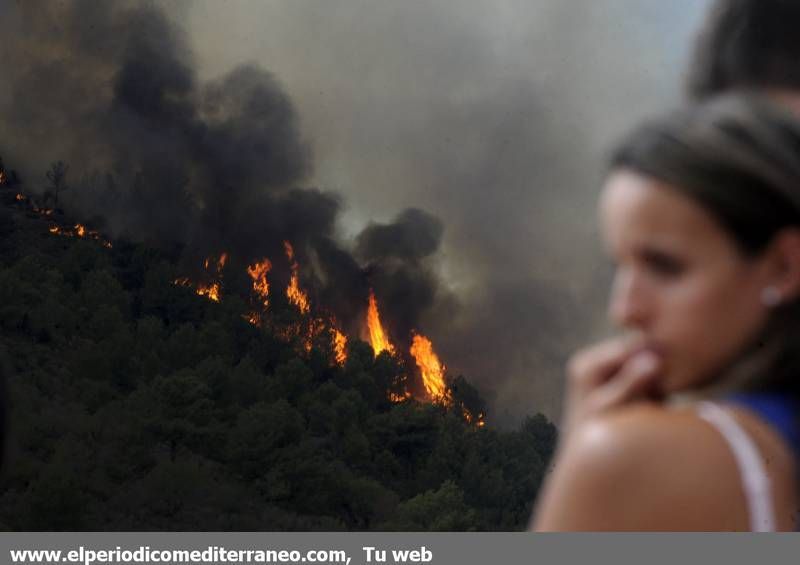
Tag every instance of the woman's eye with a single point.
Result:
(664, 265)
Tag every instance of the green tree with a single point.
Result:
(440, 510)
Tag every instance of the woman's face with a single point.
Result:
(679, 281)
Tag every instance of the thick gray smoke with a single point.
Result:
(492, 116)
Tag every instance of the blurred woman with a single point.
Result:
(688, 421)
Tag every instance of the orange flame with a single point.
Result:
(21, 197)
(377, 336)
(297, 296)
(211, 291)
(469, 418)
(293, 292)
(79, 230)
(396, 398)
(431, 368)
(258, 272)
(220, 262)
(314, 328)
(2, 177)
(339, 346)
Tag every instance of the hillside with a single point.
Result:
(136, 402)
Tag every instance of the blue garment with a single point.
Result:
(779, 410)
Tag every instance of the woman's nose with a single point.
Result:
(628, 304)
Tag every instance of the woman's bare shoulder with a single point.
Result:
(647, 431)
(648, 467)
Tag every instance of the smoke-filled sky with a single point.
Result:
(495, 117)
(491, 117)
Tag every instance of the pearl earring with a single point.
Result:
(771, 297)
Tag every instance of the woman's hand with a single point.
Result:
(607, 375)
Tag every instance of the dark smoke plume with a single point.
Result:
(414, 235)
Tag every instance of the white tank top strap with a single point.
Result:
(755, 480)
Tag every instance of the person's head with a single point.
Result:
(701, 214)
(748, 44)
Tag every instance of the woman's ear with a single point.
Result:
(784, 261)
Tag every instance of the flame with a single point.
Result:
(220, 262)
(339, 346)
(297, 296)
(314, 328)
(431, 368)
(2, 177)
(377, 336)
(293, 292)
(21, 197)
(469, 418)
(79, 230)
(396, 398)
(258, 272)
(211, 291)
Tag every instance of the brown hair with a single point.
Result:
(746, 44)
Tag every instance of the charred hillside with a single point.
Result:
(148, 391)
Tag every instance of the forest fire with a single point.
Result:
(293, 292)
(377, 335)
(309, 328)
(78, 230)
(431, 368)
(339, 346)
(223, 184)
(396, 398)
(258, 273)
(213, 289)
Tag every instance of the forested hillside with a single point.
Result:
(136, 403)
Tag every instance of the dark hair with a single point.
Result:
(747, 44)
(738, 156)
